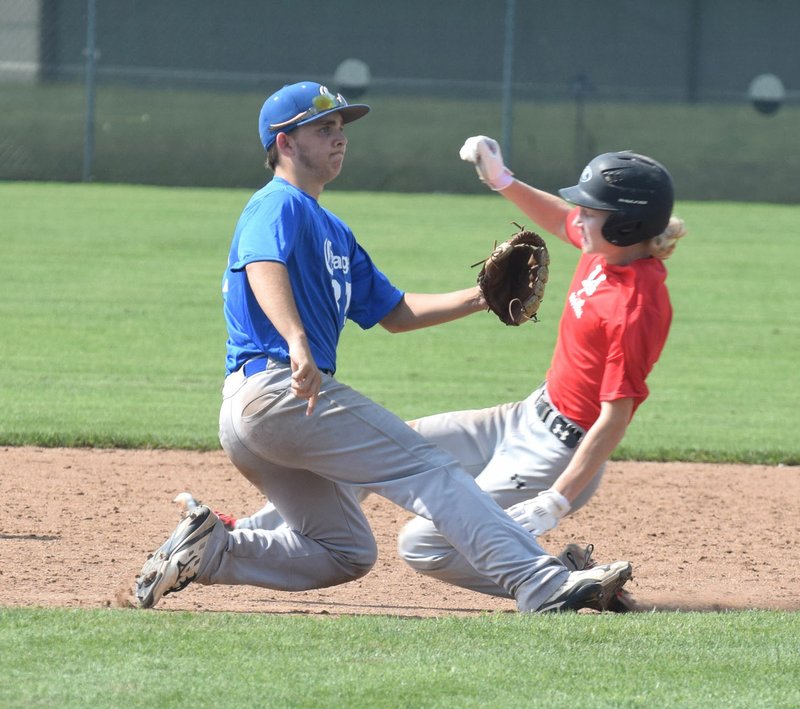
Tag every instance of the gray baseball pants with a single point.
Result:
(312, 467)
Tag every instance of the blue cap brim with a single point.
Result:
(349, 113)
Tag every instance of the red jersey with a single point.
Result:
(613, 328)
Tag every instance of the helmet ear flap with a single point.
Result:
(621, 233)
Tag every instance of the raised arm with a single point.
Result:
(547, 210)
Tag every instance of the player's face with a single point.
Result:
(590, 222)
(320, 147)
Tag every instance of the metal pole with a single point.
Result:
(695, 44)
(579, 132)
(91, 58)
(508, 78)
(581, 86)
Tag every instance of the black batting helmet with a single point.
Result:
(637, 190)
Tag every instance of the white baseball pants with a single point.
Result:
(512, 455)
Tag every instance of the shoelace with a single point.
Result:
(588, 562)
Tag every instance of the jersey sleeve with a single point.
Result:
(373, 296)
(268, 230)
(634, 345)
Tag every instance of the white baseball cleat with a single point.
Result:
(590, 588)
(176, 563)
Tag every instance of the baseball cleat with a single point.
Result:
(176, 563)
(591, 588)
(577, 557)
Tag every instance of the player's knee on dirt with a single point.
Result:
(357, 562)
(421, 545)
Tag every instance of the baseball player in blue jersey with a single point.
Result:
(307, 441)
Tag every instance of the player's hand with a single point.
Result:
(307, 386)
(487, 157)
(306, 377)
(542, 513)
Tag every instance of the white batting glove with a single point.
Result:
(485, 154)
(542, 513)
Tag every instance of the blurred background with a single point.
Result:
(168, 93)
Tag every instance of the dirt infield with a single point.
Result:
(77, 525)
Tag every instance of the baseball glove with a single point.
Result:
(513, 278)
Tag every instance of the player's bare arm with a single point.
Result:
(273, 291)
(547, 210)
(418, 310)
(601, 440)
(542, 513)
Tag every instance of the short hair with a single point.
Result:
(272, 157)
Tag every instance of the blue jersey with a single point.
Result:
(332, 277)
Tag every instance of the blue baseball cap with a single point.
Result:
(297, 104)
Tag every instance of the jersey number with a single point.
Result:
(343, 303)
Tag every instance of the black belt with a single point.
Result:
(254, 366)
(566, 432)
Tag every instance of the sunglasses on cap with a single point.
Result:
(319, 104)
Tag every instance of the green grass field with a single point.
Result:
(131, 659)
(113, 336)
(113, 332)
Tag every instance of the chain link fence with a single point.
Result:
(141, 91)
